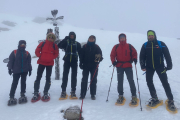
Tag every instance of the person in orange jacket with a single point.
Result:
(47, 51)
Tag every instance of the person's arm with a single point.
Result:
(142, 58)
(99, 53)
(134, 54)
(29, 62)
(63, 43)
(11, 60)
(56, 52)
(38, 50)
(167, 56)
(113, 54)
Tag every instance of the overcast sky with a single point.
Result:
(136, 16)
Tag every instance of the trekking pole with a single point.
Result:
(87, 90)
(110, 84)
(138, 88)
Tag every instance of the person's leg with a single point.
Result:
(38, 78)
(93, 81)
(164, 80)
(65, 76)
(48, 79)
(73, 76)
(150, 84)
(14, 84)
(84, 82)
(120, 77)
(129, 74)
(23, 82)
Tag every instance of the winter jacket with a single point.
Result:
(123, 55)
(152, 56)
(20, 61)
(90, 55)
(72, 49)
(47, 53)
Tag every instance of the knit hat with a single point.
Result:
(51, 35)
(150, 33)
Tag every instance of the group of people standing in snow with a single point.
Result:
(152, 55)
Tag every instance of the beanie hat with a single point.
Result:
(150, 33)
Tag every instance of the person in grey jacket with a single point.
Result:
(19, 64)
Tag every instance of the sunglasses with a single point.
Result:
(51, 37)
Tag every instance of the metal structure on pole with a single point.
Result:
(56, 30)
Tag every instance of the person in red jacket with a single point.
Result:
(122, 56)
(47, 51)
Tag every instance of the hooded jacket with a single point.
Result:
(21, 60)
(152, 56)
(71, 47)
(122, 54)
(47, 53)
(90, 55)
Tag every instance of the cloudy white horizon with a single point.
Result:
(135, 16)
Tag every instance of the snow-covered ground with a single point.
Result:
(98, 109)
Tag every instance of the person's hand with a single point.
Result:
(114, 63)
(29, 73)
(81, 66)
(9, 71)
(135, 61)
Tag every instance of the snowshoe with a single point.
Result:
(73, 96)
(36, 97)
(93, 97)
(171, 107)
(45, 97)
(154, 103)
(12, 101)
(134, 102)
(63, 96)
(120, 101)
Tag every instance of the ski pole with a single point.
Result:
(87, 90)
(110, 84)
(138, 88)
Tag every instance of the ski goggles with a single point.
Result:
(51, 36)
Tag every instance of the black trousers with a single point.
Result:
(164, 81)
(120, 76)
(67, 66)
(40, 71)
(84, 81)
(15, 83)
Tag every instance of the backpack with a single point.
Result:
(71, 49)
(15, 51)
(45, 42)
(130, 48)
(159, 43)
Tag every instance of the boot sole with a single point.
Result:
(159, 104)
(121, 104)
(63, 98)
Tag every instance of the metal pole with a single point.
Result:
(57, 70)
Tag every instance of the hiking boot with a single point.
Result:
(153, 102)
(36, 95)
(120, 99)
(171, 105)
(134, 100)
(63, 94)
(73, 94)
(12, 101)
(23, 98)
(93, 97)
(46, 96)
(81, 97)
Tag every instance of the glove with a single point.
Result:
(9, 71)
(135, 61)
(114, 63)
(29, 73)
(81, 66)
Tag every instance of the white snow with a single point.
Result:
(98, 109)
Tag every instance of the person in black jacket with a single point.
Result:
(152, 57)
(19, 64)
(72, 51)
(90, 57)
